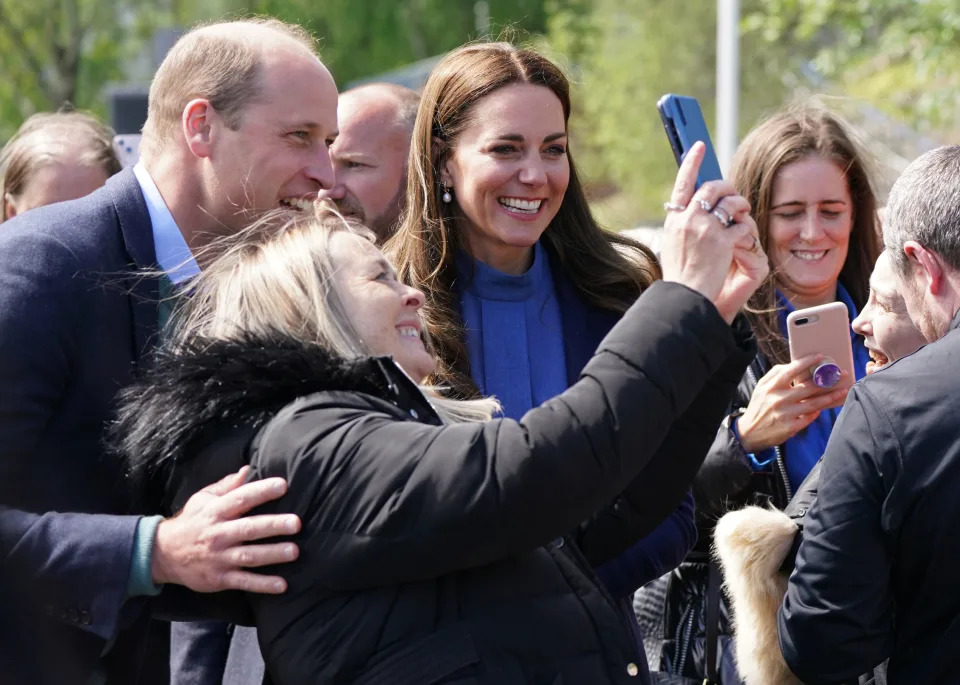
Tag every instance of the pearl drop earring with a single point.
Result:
(447, 197)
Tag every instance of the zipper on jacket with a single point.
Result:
(682, 640)
(782, 467)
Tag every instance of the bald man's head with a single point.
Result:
(223, 63)
(241, 118)
(370, 154)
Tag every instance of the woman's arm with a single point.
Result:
(386, 501)
(666, 480)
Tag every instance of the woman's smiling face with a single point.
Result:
(811, 217)
(508, 171)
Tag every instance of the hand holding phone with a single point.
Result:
(785, 402)
(789, 398)
(684, 124)
(700, 260)
(823, 330)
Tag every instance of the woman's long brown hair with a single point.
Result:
(787, 137)
(608, 271)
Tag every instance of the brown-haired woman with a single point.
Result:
(438, 545)
(53, 157)
(816, 212)
(521, 283)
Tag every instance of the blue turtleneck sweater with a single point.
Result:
(804, 449)
(513, 332)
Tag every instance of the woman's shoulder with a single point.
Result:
(242, 381)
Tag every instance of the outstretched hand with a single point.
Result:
(725, 264)
(204, 546)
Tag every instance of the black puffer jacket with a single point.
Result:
(438, 554)
(725, 482)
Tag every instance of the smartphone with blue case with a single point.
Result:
(684, 123)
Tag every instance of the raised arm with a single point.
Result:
(396, 500)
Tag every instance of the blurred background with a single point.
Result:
(892, 67)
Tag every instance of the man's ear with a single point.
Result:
(9, 207)
(198, 122)
(929, 264)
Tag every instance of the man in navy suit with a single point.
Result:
(241, 116)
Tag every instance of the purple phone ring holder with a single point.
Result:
(826, 374)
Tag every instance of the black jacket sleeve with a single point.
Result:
(385, 500)
(837, 618)
(663, 483)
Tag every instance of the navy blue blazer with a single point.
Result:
(75, 321)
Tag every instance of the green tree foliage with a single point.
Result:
(52, 51)
(625, 54)
(57, 51)
(902, 55)
(360, 38)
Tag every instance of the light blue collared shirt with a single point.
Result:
(173, 253)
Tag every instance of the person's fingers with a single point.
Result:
(800, 392)
(251, 582)
(826, 401)
(801, 421)
(797, 370)
(748, 259)
(686, 183)
(709, 194)
(249, 496)
(839, 396)
(740, 235)
(249, 528)
(734, 205)
(252, 556)
(228, 482)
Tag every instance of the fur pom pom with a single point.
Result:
(751, 544)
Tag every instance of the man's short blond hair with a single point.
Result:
(218, 62)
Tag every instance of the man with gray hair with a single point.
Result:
(370, 154)
(876, 575)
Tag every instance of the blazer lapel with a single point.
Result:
(583, 326)
(135, 226)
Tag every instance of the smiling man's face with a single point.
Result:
(884, 323)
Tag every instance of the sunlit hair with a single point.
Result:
(787, 137)
(924, 205)
(277, 276)
(608, 271)
(220, 62)
(51, 138)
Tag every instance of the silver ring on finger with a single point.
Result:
(673, 207)
(705, 205)
(723, 215)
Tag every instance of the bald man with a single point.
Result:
(370, 154)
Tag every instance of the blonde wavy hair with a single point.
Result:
(277, 275)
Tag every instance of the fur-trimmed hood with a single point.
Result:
(210, 384)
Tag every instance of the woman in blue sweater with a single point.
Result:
(812, 196)
(521, 283)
